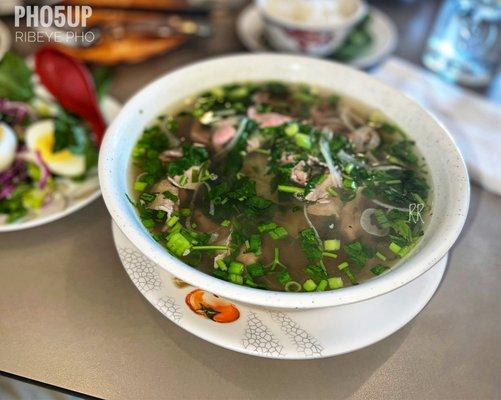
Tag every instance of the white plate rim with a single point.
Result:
(110, 107)
(384, 44)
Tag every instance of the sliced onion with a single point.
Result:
(386, 167)
(56, 202)
(347, 158)
(389, 206)
(44, 170)
(368, 226)
(17, 110)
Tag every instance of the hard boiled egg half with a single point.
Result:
(40, 137)
(8, 144)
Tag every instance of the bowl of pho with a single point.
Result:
(283, 181)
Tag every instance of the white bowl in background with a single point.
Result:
(448, 175)
(291, 30)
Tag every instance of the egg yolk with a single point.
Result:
(44, 145)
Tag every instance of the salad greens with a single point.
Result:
(47, 154)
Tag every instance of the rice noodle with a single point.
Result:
(173, 140)
(308, 220)
(349, 118)
(324, 149)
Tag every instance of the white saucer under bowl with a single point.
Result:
(272, 333)
(250, 27)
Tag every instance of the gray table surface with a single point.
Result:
(70, 316)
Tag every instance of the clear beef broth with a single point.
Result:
(280, 187)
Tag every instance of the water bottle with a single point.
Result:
(465, 44)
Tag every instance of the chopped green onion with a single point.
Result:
(309, 285)
(393, 182)
(148, 223)
(183, 180)
(394, 248)
(331, 191)
(276, 259)
(266, 227)
(290, 189)
(303, 141)
(210, 247)
(278, 233)
(322, 285)
(221, 265)
(395, 160)
(349, 167)
(195, 174)
(255, 270)
(330, 255)
(147, 197)
(185, 212)
(379, 269)
(234, 278)
(283, 277)
(140, 186)
(170, 196)
(343, 265)
(249, 282)
(172, 221)
(350, 276)
(292, 129)
(349, 183)
(178, 244)
(236, 268)
(332, 244)
(381, 256)
(292, 286)
(255, 244)
(262, 151)
(335, 282)
(226, 223)
(175, 228)
(405, 250)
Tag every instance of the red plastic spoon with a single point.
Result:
(70, 82)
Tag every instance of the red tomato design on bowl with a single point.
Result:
(211, 306)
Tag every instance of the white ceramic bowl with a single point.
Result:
(320, 36)
(449, 178)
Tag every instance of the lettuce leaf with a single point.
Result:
(15, 79)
